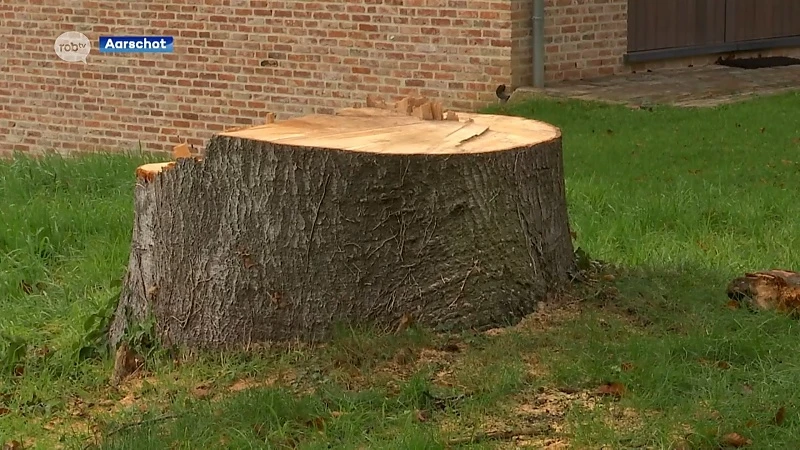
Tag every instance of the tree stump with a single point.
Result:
(366, 217)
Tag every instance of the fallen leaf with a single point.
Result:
(202, 390)
(403, 356)
(26, 288)
(780, 416)
(4, 411)
(259, 430)
(732, 304)
(735, 440)
(682, 444)
(614, 389)
(451, 347)
(626, 367)
(12, 445)
(317, 423)
(609, 277)
(724, 365)
(421, 416)
(19, 370)
(337, 414)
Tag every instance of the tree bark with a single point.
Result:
(284, 231)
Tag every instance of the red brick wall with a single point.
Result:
(584, 38)
(235, 60)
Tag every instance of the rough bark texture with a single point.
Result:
(265, 242)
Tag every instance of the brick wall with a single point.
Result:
(235, 60)
(584, 38)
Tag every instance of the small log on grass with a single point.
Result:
(776, 289)
(288, 229)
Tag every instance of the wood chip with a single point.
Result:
(181, 151)
(402, 106)
(437, 110)
(374, 101)
(424, 111)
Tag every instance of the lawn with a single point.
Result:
(674, 202)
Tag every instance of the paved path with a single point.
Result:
(693, 87)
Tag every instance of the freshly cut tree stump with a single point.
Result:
(366, 217)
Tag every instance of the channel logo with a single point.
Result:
(136, 44)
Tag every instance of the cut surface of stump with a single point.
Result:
(287, 230)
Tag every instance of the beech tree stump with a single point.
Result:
(365, 217)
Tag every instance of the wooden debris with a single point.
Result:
(373, 101)
(437, 110)
(768, 290)
(126, 362)
(181, 151)
(424, 111)
(403, 106)
(419, 107)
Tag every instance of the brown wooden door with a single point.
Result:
(748, 20)
(663, 24)
(698, 24)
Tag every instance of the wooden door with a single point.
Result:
(665, 24)
(748, 20)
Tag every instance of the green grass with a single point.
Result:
(678, 201)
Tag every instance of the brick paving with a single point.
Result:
(706, 86)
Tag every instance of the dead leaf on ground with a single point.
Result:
(614, 389)
(202, 390)
(450, 347)
(12, 445)
(317, 423)
(732, 304)
(26, 288)
(4, 411)
(735, 440)
(421, 416)
(780, 416)
(259, 430)
(681, 444)
(609, 277)
(724, 365)
(403, 356)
